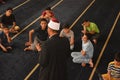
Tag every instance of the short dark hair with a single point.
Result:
(43, 19)
(85, 20)
(117, 56)
(88, 36)
(48, 8)
(66, 26)
(9, 9)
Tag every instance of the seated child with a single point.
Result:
(5, 40)
(47, 14)
(86, 54)
(9, 20)
(40, 35)
(113, 70)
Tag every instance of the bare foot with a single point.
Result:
(27, 49)
(4, 50)
(95, 41)
(9, 47)
(27, 44)
(91, 63)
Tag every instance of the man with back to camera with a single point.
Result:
(53, 54)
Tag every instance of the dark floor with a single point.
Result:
(16, 64)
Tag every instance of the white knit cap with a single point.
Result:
(54, 25)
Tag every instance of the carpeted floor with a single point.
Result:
(16, 64)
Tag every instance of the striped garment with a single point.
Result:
(115, 70)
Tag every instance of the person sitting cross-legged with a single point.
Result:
(40, 35)
(86, 54)
(8, 19)
(5, 40)
(113, 70)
